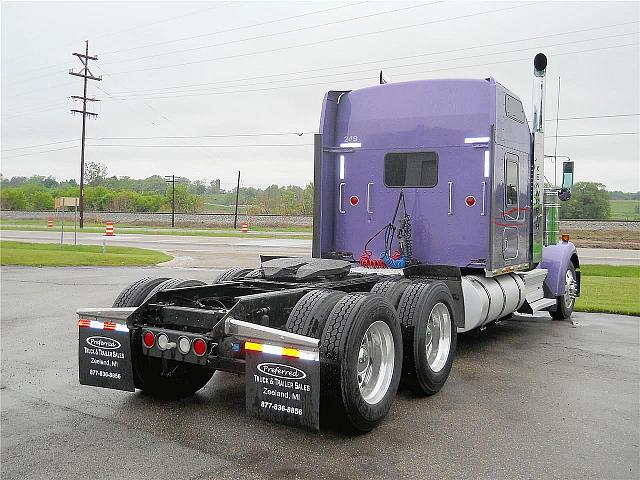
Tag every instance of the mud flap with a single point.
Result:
(283, 389)
(104, 355)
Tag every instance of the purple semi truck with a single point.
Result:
(431, 218)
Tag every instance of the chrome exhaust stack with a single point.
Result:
(539, 71)
(538, 220)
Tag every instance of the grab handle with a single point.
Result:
(484, 194)
(369, 197)
(340, 188)
(450, 212)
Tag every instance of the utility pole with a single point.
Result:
(235, 218)
(87, 75)
(172, 179)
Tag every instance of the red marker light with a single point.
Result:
(148, 339)
(470, 200)
(354, 200)
(199, 347)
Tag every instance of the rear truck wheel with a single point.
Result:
(257, 273)
(173, 283)
(392, 289)
(232, 273)
(148, 372)
(429, 335)
(566, 301)
(134, 294)
(361, 361)
(310, 314)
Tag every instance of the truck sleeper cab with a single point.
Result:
(428, 222)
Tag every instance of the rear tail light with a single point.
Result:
(149, 339)
(163, 341)
(199, 347)
(184, 345)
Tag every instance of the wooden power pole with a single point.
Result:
(86, 74)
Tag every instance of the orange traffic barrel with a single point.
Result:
(245, 227)
(49, 222)
(109, 230)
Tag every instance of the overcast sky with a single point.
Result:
(229, 68)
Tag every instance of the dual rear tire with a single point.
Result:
(369, 342)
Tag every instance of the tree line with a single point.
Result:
(152, 194)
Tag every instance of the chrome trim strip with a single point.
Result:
(259, 332)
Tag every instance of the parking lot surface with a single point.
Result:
(527, 398)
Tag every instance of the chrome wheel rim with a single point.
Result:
(438, 340)
(569, 289)
(376, 359)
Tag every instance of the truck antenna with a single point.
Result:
(555, 150)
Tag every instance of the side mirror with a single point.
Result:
(567, 175)
(564, 194)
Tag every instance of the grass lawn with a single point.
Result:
(625, 209)
(610, 289)
(50, 254)
(293, 232)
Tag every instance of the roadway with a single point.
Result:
(527, 398)
(220, 252)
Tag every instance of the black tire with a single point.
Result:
(310, 314)
(416, 305)
(173, 283)
(185, 379)
(562, 311)
(232, 274)
(134, 294)
(339, 354)
(257, 273)
(392, 289)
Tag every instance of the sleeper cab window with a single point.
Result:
(511, 180)
(411, 169)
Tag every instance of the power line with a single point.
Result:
(44, 151)
(333, 39)
(233, 29)
(391, 59)
(40, 145)
(140, 98)
(204, 146)
(133, 94)
(274, 34)
(595, 117)
(594, 134)
(243, 135)
(124, 145)
(136, 28)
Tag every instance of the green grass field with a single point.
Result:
(610, 289)
(51, 255)
(294, 232)
(625, 209)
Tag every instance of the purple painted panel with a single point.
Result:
(432, 115)
(556, 259)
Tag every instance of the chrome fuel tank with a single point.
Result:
(489, 298)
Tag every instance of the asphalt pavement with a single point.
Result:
(220, 252)
(527, 398)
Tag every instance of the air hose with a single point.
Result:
(399, 259)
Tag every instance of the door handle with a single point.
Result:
(484, 195)
(450, 212)
(340, 188)
(369, 197)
